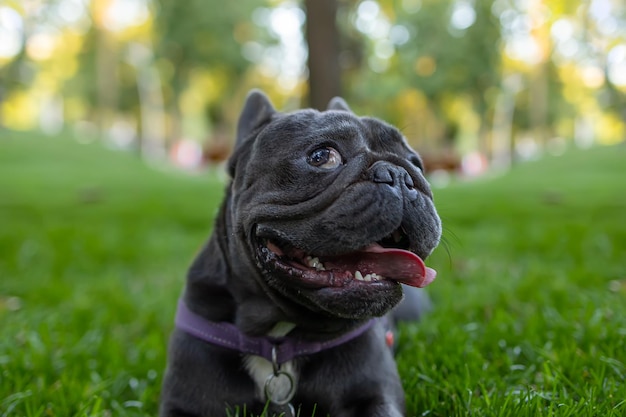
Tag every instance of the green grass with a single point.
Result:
(530, 314)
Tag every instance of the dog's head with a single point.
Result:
(331, 210)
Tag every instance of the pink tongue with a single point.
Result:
(398, 265)
(393, 264)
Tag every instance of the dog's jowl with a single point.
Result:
(324, 228)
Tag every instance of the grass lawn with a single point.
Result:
(530, 316)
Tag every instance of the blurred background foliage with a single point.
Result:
(472, 83)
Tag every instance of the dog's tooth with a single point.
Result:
(375, 276)
(367, 277)
(358, 276)
(315, 263)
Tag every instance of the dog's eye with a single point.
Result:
(326, 158)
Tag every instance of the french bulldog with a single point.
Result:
(325, 224)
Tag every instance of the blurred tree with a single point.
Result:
(18, 73)
(438, 68)
(555, 107)
(99, 59)
(539, 78)
(604, 32)
(199, 34)
(84, 83)
(105, 83)
(442, 53)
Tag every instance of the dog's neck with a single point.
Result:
(276, 347)
(281, 329)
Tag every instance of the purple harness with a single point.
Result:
(275, 349)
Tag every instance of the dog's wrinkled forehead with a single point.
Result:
(266, 136)
(332, 128)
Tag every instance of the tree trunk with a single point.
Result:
(323, 41)
(538, 88)
(106, 68)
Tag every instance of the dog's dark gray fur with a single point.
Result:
(277, 193)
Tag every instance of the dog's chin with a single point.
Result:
(346, 285)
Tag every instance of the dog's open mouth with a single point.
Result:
(386, 260)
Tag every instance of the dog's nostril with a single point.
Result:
(409, 182)
(386, 173)
(382, 174)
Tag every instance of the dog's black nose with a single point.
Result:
(386, 173)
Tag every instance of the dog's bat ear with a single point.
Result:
(337, 103)
(257, 111)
